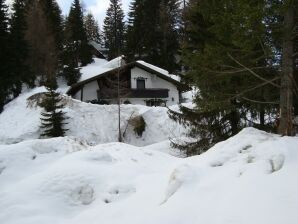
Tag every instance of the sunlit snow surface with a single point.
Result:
(250, 178)
(92, 123)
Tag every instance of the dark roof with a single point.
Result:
(73, 89)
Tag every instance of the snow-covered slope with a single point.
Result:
(250, 178)
(93, 123)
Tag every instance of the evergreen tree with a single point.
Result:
(169, 26)
(231, 62)
(134, 36)
(113, 29)
(53, 118)
(155, 40)
(71, 71)
(76, 33)
(19, 48)
(5, 78)
(92, 29)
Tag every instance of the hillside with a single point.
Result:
(249, 178)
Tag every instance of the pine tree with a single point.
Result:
(231, 62)
(71, 71)
(19, 48)
(155, 40)
(142, 35)
(76, 33)
(169, 27)
(134, 36)
(5, 79)
(113, 29)
(92, 29)
(53, 118)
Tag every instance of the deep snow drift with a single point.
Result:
(250, 178)
(92, 123)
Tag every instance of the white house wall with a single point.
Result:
(153, 81)
(89, 92)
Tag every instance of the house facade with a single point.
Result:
(136, 83)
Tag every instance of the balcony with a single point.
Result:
(134, 93)
(149, 93)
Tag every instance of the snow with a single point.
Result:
(87, 177)
(99, 66)
(250, 178)
(159, 70)
(94, 69)
(88, 122)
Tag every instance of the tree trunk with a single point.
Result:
(262, 117)
(286, 91)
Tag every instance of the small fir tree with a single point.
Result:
(53, 117)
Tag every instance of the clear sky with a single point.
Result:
(97, 7)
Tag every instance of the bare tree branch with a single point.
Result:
(259, 102)
(253, 73)
(255, 87)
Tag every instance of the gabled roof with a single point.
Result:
(161, 73)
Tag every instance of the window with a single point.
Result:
(156, 103)
(140, 83)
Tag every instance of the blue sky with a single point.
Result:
(97, 7)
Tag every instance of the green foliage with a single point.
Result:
(6, 84)
(76, 34)
(155, 40)
(113, 29)
(230, 60)
(53, 118)
(92, 29)
(71, 71)
(21, 72)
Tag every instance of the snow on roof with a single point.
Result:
(159, 70)
(97, 46)
(99, 66)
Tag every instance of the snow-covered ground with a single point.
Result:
(250, 178)
(92, 123)
(88, 178)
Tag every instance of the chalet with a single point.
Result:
(136, 83)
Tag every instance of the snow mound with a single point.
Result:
(93, 123)
(250, 178)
